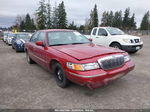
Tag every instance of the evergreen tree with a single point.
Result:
(62, 16)
(132, 22)
(55, 17)
(33, 26)
(145, 24)
(49, 24)
(126, 19)
(22, 25)
(104, 19)
(28, 23)
(93, 21)
(72, 26)
(117, 20)
(41, 15)
(95, 17)
(110, 19)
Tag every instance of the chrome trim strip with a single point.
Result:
(87, 76)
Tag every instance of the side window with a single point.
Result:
(41, 36)
(34, 37)
(94, 31)
(102, 32)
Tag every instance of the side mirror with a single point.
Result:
(39, 43)
(90, 39)
(104, 34)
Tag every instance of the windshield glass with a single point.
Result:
(23, 36)
(115, 31)
(10, 35)
(65, 37)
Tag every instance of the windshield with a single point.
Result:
(23, 36)
(115, 31)
(65, 37)
(10, 35)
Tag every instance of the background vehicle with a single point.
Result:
(19, 40)
(114, 37)
(72, 57)
(5, 36)
(9, 38)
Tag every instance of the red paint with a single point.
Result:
(81, 53)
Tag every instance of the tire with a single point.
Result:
(60, 77)
(115, 45)
(13, 47)
(132, 52)
(29, 60)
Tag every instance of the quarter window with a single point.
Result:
(34, 38)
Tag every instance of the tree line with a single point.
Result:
(48, 17)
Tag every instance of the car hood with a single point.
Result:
(86, 51)
(126, 36)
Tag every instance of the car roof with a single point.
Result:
(53, 30)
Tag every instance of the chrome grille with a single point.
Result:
(111, 62)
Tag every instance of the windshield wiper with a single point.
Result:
(79, 43)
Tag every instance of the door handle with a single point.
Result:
(97, 37)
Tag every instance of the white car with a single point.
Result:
(114, 37)
(9, 39)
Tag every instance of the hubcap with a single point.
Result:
(59, 75)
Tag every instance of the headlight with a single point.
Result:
(82, 67)
(128, 40)
(126, 58)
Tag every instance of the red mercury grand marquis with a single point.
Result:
(72, 57)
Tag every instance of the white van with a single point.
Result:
(114, 37)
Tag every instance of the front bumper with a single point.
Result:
(98, 78)
(131, 48)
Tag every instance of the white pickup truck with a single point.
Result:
(114, 37)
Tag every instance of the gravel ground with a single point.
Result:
(24, 86)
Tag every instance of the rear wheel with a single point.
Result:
(116, 45)
(12, 47)
(60, 77)
(29, 60)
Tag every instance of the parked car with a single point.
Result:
(5, 36)
(72, 57)
(114, 37)
(19, 40)
(9, 38)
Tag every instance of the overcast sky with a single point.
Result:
(77, 10)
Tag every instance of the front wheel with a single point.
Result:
(60, 77)
(132, 52)
(116, 45)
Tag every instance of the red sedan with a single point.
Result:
(72, 57)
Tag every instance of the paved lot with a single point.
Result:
(30, 86)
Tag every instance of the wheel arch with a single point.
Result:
(113, 43)
(52, 62)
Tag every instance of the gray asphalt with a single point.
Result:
(24, 86)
